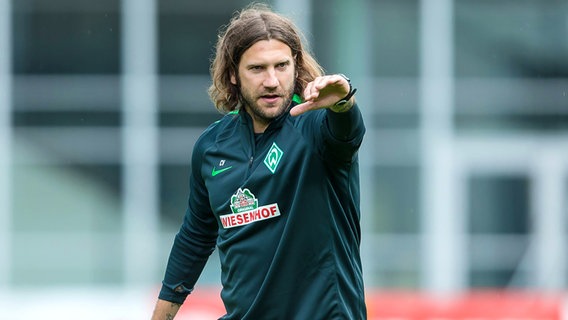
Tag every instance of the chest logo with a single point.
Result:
(243, 200)
(245, 210)
(273, 157)
(215, 172)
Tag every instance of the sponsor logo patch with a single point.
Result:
(243, 218)
(245, 210)
(243, 200)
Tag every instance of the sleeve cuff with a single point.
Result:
(168, 294)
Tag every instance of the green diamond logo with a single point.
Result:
(273, 157)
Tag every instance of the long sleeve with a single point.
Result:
(346, 125)
(194, 242)
(343, 133)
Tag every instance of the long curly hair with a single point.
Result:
(255, 23)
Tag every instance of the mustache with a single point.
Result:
(272, 93)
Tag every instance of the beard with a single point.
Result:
(265, 112)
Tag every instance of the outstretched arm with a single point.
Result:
(165, 310)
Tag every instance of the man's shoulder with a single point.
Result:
(221, 128)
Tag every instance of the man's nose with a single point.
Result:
(270, 81)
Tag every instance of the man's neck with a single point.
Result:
(259, 125)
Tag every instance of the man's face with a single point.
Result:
(266, 79)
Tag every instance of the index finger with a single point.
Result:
(302, 108)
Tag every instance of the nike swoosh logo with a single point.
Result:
(216, 172)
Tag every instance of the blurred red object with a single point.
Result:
(489, 304)
(205, 303)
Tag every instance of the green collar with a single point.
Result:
(296, 98)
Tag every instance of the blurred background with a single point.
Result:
(464, 165)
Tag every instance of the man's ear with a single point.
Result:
(233, 78)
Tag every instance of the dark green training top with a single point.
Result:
(283, 210)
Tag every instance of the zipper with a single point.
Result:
(250, 132)
(252, 141)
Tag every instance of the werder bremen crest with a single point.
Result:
(273, 157)
(243, 200)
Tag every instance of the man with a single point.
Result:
(274, 184)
